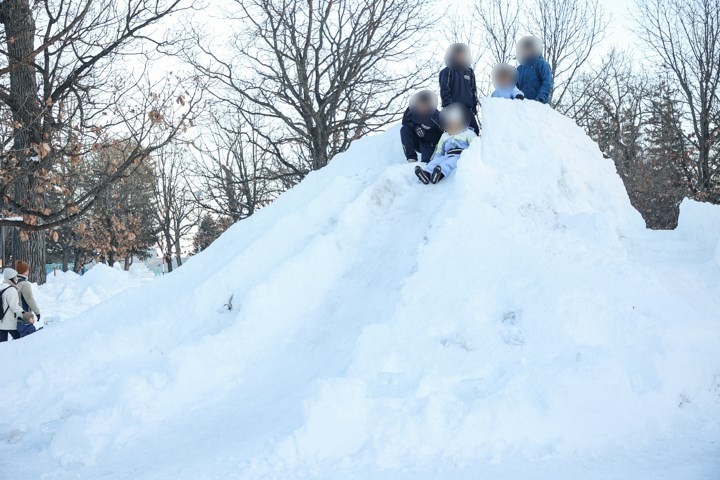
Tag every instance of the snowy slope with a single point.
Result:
(514, 321)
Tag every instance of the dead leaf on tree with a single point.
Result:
(42, 149)
(156, 117)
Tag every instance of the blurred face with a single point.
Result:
(460, 58)
(526, 52)
(453, 127)
(504, 79)
(423, 108)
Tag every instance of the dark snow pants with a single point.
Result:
(4, 335)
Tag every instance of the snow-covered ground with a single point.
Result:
(67, 294)
(515, 321)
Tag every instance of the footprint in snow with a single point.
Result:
(511, 333)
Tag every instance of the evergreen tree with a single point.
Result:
(208, 230)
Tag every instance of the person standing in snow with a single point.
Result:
(457, 137)
(504, 78)
(421, 128)
(457, 82)
(12, 313)
(25, 291)
(534, 75)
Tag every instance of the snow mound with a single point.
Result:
(67, 294)
(509, 320)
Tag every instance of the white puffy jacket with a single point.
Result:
(11, 302)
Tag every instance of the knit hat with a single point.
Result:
(22, 267)
(9, 273)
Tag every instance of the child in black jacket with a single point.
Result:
(457, 82)
(421, 129)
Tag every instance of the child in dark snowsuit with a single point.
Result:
(534, 75)
(421, 129)
(457, 82)
(504, 78)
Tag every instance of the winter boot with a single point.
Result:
(422, 175)
(437, 175)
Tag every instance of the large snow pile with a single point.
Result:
(67, 294)
(514, 321)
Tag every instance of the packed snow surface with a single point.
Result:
(67, 294)
(515, 321)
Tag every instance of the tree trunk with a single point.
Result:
(168, 249)
(19, 24)
(65, 257)
(32, 251)
(178, 251)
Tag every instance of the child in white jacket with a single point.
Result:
(457, 137)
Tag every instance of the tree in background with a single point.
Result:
(173, 201)
(570, 31)
(498, 26)
(321, 75)
(121, 224)
(62, 82)
(684, 36)
(208, 231)
(235, 173)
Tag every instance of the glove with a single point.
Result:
(519, 96)
(420, 132)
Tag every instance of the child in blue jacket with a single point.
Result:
(457, 137)
(534, 75)
(504, 78)
(457, 82)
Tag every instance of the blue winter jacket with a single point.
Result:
(535, 79)
(511, 92)
(429, 130)
(458, 85)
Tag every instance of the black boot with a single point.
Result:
(422, 175)
(437, 175)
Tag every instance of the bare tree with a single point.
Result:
(684, 35)
(63, 83)
(235, 172)
(570, 31)
(174, 206)
(498, 22)
(323, 72)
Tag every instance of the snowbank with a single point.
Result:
(510, 322)
(700, 223)
(67, 294)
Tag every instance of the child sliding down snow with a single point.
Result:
(457, 137)
(504, 78)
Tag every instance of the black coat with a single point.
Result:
(458, 85)
(427, 130)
